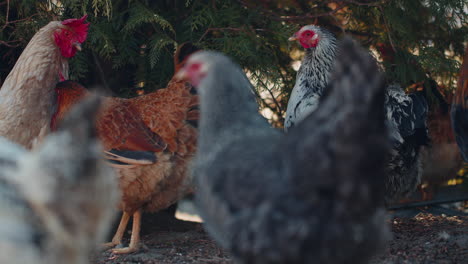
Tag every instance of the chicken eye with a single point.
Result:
(195, 67)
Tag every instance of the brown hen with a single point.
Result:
(149, 140)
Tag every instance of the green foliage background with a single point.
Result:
(131, 43)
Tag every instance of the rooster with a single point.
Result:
(149, 140)
(459, 112)
(405, 114)
(42, 191)
(310, 196)
(27, 95)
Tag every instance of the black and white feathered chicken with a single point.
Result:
(310, 196)
(405, 114)
(459, 111)
(56, 202)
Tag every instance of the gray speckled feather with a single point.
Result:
(405, 115)
(310, 196)
(311, 78)
(57, 201)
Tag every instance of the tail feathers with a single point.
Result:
(129, 158)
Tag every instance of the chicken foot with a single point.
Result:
(134, 239)
(117, 239)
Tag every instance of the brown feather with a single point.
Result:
(461, 94)
(153, 122)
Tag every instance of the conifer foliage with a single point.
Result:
(131, 43)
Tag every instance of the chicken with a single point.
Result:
(405, 114)
(149, 140)
(310, 196)
(459, 112)
(56, 201)
(27, 94)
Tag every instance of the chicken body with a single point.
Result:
(405, 114)
(27, 95)
(42, 191)
(149, 140)
(459, 111)
(310, 196)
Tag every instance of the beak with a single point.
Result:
(293, 38)
(181, 74)
(77, 46)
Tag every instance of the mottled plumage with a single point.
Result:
(311, 78)
(459, 112)
(313, 195)
(27, 95)
(405, 114)
(56, 202)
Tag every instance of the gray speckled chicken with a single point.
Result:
(313, 195)
(57, 201)
(405, 115)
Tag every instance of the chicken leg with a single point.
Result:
(134, 239)
(117, 239)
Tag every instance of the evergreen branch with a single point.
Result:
(279, 109)
(8, 43)
(387, 28)
(19, 20)
(340, 6)
(229, 29)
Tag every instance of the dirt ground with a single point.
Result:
(424, 238)
(427, 238)
(169, 240)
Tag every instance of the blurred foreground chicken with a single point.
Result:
(313, 195)
(149, 140)
(459, 112)
(56, 202)
(405, 114)
(27, 95)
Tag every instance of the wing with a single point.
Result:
(133, 130)
(170, 113)
(406, 114)
(120, 127)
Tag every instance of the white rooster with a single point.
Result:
(27, 95)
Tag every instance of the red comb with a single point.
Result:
(73, 22)
(79, 26)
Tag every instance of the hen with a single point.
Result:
(149, 140)
(310, 196)
(405, 114)
(459, 112)
(27, 94)
(56, 201)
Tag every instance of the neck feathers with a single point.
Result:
(40, 63)
(317, 65)
(227, 105)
